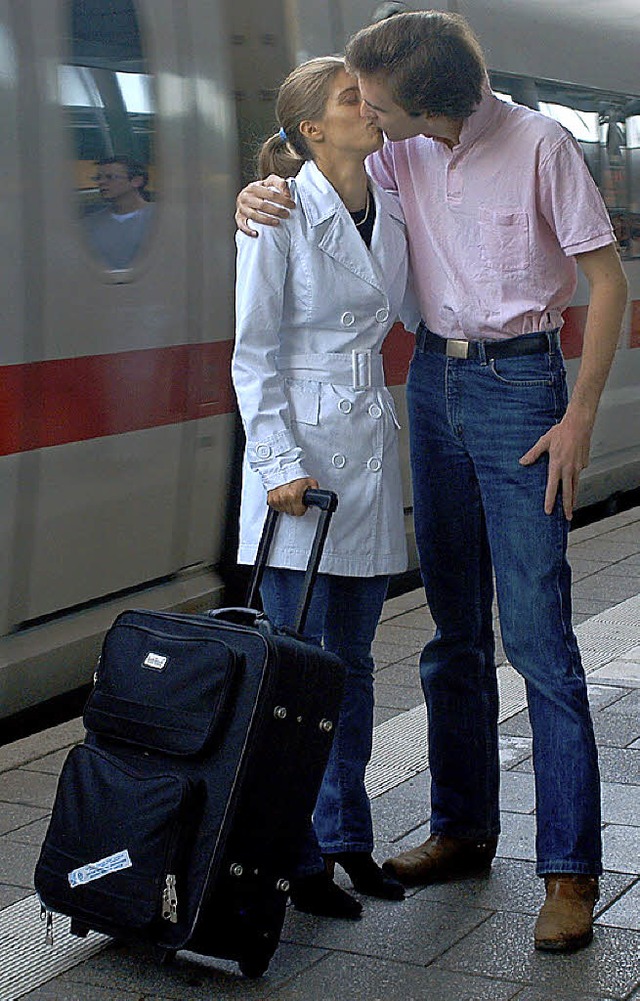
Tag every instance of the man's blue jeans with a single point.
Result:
(476, 509)
(343, 617)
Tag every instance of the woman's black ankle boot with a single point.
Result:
(318, 894)
(367, 876)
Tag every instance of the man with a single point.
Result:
(499, 208)
(117, 232)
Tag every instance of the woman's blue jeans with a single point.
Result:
(478, 511)
(343, 617)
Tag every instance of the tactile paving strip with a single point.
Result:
(26, 959)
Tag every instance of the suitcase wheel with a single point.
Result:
(79, 928)
(253, 966)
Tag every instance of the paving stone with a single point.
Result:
(586, 609)
(414, 930)
(390, 653)
(378, 980)
(30, 748)
(620, 803)
(397, 632)
(621, 848)
(601, 550)
(513, 750)
(51, 763)
(604, 586)
(517, 793)
(625, 912)
(17, 862)
(404, 673)
(619, 672)
(383, 713)
(61, 990)
(14, 816)
(11, 894)
(582, 568)
(31, 834)
(620, 765)
(402, 809)
(397, 696)
(420, 618)
(503, 947)
(629, 705)
(406, 604)
(612, 730)
(518, 836)
(542, 994)
(517, 726)
(601, 696)
(28, 788)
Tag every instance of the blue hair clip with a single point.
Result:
(283, 135)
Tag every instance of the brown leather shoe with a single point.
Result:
(565, 922)
(441, 858)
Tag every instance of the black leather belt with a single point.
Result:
(528, 344)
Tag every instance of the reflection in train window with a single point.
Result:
(109, 97)
(607, 126)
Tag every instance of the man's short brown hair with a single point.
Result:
(432, 61)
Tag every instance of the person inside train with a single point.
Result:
(314, 302)
(117, 231)
(500, 211)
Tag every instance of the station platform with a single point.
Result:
(469, 940)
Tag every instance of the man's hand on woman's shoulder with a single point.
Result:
(264, 202)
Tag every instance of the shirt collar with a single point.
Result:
(487, 115)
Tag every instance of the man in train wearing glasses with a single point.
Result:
(499, 208)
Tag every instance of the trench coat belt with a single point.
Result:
(357, 369)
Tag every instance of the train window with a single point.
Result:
(607, 126)
(108, 94)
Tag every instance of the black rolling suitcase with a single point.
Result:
(177, 821)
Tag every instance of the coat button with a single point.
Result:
(345, 406)
(374, 464)
(263, 451)
(375, 411)
(347, 319)
(338, 460)
(382, 315)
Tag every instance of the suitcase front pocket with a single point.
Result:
(162, 690)
(114, 852)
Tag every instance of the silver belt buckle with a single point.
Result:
(361, 360)
(457, 349)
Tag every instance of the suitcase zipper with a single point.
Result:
(170, 900)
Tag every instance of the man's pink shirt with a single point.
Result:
(494, 223)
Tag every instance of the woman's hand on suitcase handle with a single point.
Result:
(288, 498)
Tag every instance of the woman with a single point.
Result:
(315, 299)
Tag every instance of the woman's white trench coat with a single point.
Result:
(313, 306)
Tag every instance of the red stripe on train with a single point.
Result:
(74, 399)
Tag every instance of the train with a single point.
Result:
(119, 434)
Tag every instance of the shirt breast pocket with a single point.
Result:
(504, 239)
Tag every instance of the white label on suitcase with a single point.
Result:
(155, 660)
(96, 870)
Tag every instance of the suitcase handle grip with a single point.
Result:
(327, 502)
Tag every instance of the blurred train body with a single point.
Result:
(117, 421)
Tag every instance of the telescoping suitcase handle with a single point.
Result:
(327, 501)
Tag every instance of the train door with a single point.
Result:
(127, 384)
